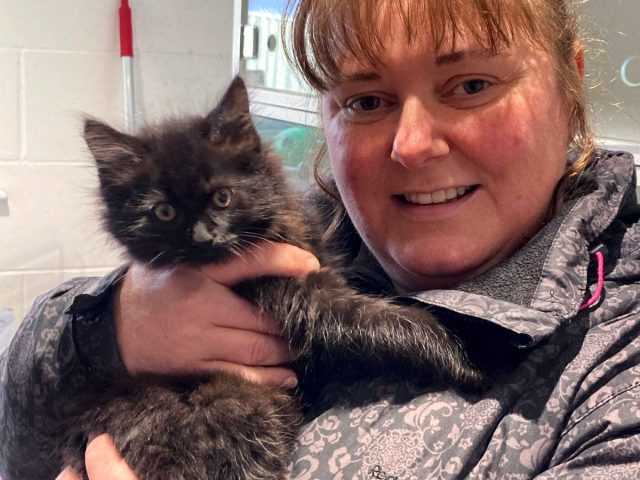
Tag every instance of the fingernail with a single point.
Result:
(290, 383)
(313, 264)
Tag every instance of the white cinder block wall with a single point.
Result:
(58, 60)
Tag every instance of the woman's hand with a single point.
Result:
(187, 320)
(102, 461)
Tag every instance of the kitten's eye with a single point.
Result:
(164, 211)
(222, 197)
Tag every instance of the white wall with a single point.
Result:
(58, 60)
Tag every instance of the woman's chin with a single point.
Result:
(417, 272)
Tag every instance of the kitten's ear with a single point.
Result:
(230, 120)
(236, 98)
(109, 147)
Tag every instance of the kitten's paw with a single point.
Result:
(433, 348)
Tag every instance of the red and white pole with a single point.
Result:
(126, 53)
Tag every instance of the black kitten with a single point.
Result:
(202, 190)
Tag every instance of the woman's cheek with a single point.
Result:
(495, 134)
(347, 172)
(349, 157)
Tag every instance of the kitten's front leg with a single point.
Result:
(331, 325)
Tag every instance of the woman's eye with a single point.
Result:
(471, 87)
(471, 91)
(365, 104)
(366, 108)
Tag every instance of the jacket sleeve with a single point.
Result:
(603, 437)
(65, 344)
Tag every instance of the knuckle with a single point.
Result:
(267, 324)
(258, 351)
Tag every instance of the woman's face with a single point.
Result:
(446, 161)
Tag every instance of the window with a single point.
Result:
(278, 92)
(294, 143)
(616, 71)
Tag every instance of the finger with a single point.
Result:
(250, 348)
(67, 474)
(196, 292)
(236, 312)
(103, 462)
(276, 376)
(277, 259)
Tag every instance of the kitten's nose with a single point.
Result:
(202, 233)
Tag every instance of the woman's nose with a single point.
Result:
(417, 139)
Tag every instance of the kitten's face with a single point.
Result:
(194, 190)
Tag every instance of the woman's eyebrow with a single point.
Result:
(446, 59)
(362, 76)
(461, 55)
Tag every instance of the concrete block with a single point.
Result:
(172, 84)
(12, 293)
(9, 105)
(59, 89)
(54, 221)
(59, 25)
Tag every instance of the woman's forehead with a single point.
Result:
(398, 48)
(326, 32)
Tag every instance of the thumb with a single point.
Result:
(274, 259)
(103, 462)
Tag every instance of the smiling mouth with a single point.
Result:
(445, 195)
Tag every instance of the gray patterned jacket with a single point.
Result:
(566, 405)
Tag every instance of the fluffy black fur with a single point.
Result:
(202, 190)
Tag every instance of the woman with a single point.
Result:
(462, 154)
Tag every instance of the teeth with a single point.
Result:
(439, 196)
(451, 193)
(422, 198)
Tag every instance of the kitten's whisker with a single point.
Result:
(235, 251)
(157, 257)
(255, 245)
(245, 244)
(278, 236)
(258, 236)
(261, 238)
(246, 249)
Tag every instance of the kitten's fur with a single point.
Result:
(224, 427)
